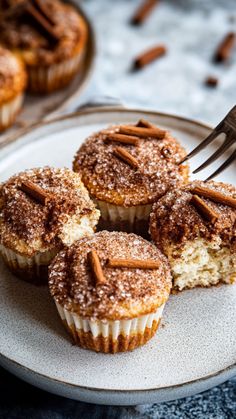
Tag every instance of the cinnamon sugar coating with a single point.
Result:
(127, 292)
(111, 180)
(12, 76)
(175, 220)
(19, 33)
(26, 226)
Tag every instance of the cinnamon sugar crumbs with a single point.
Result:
(112, 180)
(71, 282)
(20, 33)
(22, 218)
(174, 219)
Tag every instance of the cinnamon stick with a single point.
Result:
(122, 138)
(40, 19)
(142, 132)
(42, 7)
(143, 123)
(215, 196)
(133, 263)
(126, 157)
(211, 81)
(148, 56)
(96, 267)
(225, 48)
(204, 210)
(35, 192)
(143, 11)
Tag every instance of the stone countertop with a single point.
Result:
(191, 30)
(19, 400)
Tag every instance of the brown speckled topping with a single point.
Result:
(12, 75)
(127, 292)
(112, 180)
(22, 219)
(175, 220)
(20, 33)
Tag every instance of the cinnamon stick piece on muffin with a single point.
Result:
(42, 210)
(50, 36)
(124, 179)
(195, 226)
(109, 308)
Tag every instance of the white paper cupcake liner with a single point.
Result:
(28, 267)
(45, 79)
(9, 111)
(110, 336)
(131, 219)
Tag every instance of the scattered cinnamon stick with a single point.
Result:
(96, 267)
(148, 56)
(143, 123)
(142, 132)
(204, 210)
(126, 157)
(133, 263)
(225, 48)
(211, 81)
(215, 196)
(143, 11)
(122, 138)
(35, 192)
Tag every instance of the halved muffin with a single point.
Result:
(110, 290)
(126, 169)
(13, 81)
(42, 210)
(50, 36)
(195, 227)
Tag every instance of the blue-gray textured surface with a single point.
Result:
(191, 29)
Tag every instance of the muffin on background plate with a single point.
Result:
(13, 81)
(110, 290)
(195, 227)
(41, 210)
(125, 169)
(50, 36)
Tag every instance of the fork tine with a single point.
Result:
(226, 144)
(223, 166)
(203, 144)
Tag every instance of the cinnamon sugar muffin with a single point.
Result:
(41, 210)
(111, 308)
(12, 85)
(50, 36)
(125, 188)
(198, 235)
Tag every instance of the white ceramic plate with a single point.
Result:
(38, 107)
(195, 347)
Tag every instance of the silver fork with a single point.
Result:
(226, 126)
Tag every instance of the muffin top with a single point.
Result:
(177, 216)
(44, 216)
(64, 36)
(12, 76)
(109, 178)
(125, 293)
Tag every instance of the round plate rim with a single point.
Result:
(230, 370)
(94, 110)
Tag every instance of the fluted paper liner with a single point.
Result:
(108, 335)
(9, 111)
(46, 79)
(32, 269)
